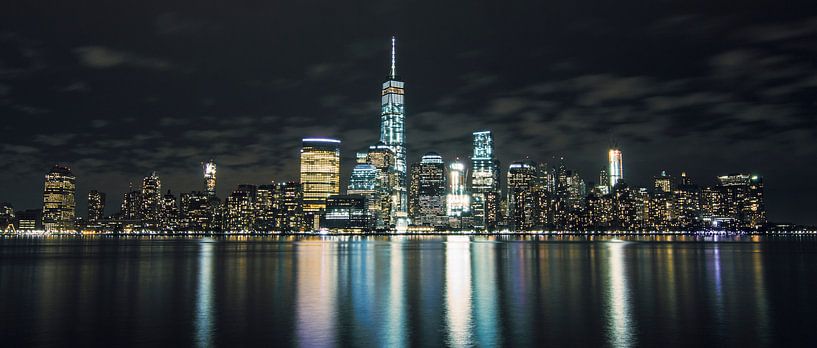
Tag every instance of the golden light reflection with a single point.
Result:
(316, 285)
(458, 290)
(619, 318)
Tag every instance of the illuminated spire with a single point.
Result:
(393, 71)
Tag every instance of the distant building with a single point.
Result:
(346, 213)
(7, 217)
(30, 219)
(744, 199)
(522, 198)
(240, 212)
(289, 214)
(265, 208)
(364, 182)
(96, 206)
(131, 208)
(320, 174)
(663, 183)
(151, 201)
(58, 200)
(198, 212)
(485, 181)
(427, 192)
(210, 178)
(604, 182)
(169, 213)
(383, 158)
(616, 166)
(457, 201)
(687, 204)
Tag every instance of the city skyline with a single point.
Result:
(704, 112)
(384, 193)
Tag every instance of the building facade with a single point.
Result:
(616, 172)
(320, 174)
(427, 194)
(485, 181)
(59, 200)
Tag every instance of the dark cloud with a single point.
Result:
(103, 58)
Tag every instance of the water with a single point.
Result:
(408, 291)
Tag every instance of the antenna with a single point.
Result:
(393, 71)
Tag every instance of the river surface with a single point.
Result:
(408, 291)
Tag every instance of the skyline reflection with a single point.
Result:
(406, 291)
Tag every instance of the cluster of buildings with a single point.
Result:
(385, 194)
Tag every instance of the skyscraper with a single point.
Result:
(382, 157)
(131, 208)
(616, 167)
(210, 178)
(428, 191)
(265, 208)
(96, 205)
(743, 199)
(320, 174)
(151, 201)
(392, 129)
(663, 182)
(363, 182)
(58, 200)
(241, 209)
(522, 200)
(289, 216)
(169, 213)
(458, 200)
(484, 181)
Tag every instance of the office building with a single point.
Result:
(346, 213)
(58, 200)
(210, 178)
(616, 166)
(96, 206)
(320, 175)
(427, 192)
(485, 181)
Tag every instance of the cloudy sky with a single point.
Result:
(117, 89)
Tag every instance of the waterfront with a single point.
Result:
(409, 290)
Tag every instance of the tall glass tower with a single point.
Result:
(484, 182)
(616, 167)
(392, 130)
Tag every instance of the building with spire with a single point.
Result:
(392, 130)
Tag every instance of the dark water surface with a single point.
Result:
(408, 291)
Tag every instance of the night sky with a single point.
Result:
(117, 89)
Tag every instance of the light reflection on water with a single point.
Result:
(203, 321)
(458, 290)
(407, 291)
(619, 320)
